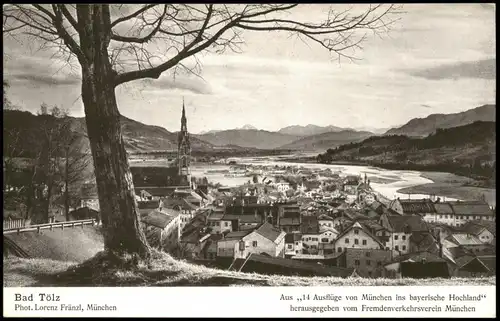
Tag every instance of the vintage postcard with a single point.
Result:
(313, 159)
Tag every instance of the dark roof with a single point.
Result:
(174, 202)
(84, 213)
(309, 225)
(475, 265)
(372, 225)
(414, 222)
(148, 204)
(292, 266)
(158, 219)
(324, 217)
(236, 235)
(490, 261)
(471, 208)
(443, 208)
(489, 225)
(268, 231)
(292, 237)
(242, 218)
(473, 228)
(418, 257)
(424, 242)
(417, 206)
(156, 190)
(420, 270)
(289, 221)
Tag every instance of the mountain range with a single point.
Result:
(419, 127)
(139, 137)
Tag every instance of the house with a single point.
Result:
(242, 222)
(145, 195)
(357, 236)
(186, 209)
(422, 207)
(147, 206)
(209, 247)
(368, 263)
(162, 229)
(264, 239)
(89, 198)
(443, 214)
(289, 218)
(325, 222)
(350, 184)
(84, 213)
(193, 236)
(465, 211)
(293, 244)
(480, 231)
(425, 260)
(263, 264)
(217, 225)
(290, 224)
(477, 266)
(401, 228)
(424, 270)
(282, 186)
(420, 242)
(467, 241)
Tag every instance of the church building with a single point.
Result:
(160, 181)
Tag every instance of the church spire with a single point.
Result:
(183, 117)
(184, 148)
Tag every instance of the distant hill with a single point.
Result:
(138, 137)
(466, 150)
(327, 140)
(248, 138)
(308, 130)
(425, 126)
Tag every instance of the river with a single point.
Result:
(384, 181)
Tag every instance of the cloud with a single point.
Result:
(195, 85)
(38, 71)
(481, 69)
(44, 80)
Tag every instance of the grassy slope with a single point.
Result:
(163, 270)
(451, 185)
(71, 244)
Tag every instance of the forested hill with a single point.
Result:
(138, 137)
(467, 150)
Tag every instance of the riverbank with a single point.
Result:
(453, 186)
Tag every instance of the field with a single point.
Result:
(451, 185)
(163, 270)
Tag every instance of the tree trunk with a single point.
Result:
(118, 206)
(66, 186)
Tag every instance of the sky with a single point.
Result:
(438, 58)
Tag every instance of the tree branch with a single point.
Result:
(132, 15)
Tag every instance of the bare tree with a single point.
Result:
(118, 44)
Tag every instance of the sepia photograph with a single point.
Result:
(221, 145)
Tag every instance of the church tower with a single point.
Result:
(184, 150)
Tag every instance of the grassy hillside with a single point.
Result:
(468, 150)
(429, 124)
(327, 140)
(163, 270)
(261, 139)
(71, 244)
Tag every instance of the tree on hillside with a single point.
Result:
(116, 44)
